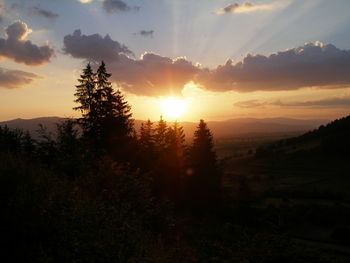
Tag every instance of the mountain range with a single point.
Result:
(221, 129)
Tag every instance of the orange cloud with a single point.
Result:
(250, 7)
(13, 79)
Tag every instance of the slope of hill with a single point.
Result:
(330, 139)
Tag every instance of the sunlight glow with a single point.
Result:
(173, 108)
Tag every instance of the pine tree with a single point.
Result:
(116, 117)
(201, 151)
(123, 116)
(172, 164)
(86, 97)
(205, 179)
(104, 92)
(160, 135)
(106, 118)
(175, 140)
(147, 137)
(146, 143)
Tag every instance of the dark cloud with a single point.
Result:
(313, 64)
(146, 33)
(93, 47)
(42, 12)
(151, 75)
(13, 79)
(113, 6)
(35, 11)
(328, 102)
(15, 47)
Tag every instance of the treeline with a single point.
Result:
(179, 172)
(97, 190)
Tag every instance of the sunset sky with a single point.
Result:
(226, 59)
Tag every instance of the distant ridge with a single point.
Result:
(220, 129)
(332, 138)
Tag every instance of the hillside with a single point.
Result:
(330, 139)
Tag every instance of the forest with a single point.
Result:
(98, 190)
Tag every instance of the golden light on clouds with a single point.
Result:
(249, 7)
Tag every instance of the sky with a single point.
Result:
(226, 59)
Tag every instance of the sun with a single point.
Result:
(173, 108)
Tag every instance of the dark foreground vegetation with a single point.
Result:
(96, 190)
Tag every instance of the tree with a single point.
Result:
(68, 148)
(106, 118)
(175, 162)
(104, 92)
(28, 146)
(205, 179)
(87, 98)
(147, 137)
(146, 143)
(160, 135)
(175, 141)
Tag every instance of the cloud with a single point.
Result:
(93, 47)
(151, 75)
(13, 79)
(1, 11)
(113, 6)
(314, 64)
(328, 102)
(35, 11)
(85, 1)
(15, 47)
(250, 104)
(250, 7)
(146, 33)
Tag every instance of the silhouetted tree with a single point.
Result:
(28, 146)
(68, 148)
(147, 136)
(160, 135)
(121, 141)
(174, 162)
(46, 146)
(10, 139)
(205, 175)
(87, 98)
(106, 118)
(146, 144)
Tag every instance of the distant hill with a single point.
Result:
(33, 124)
(330, 139)
(221, 129)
